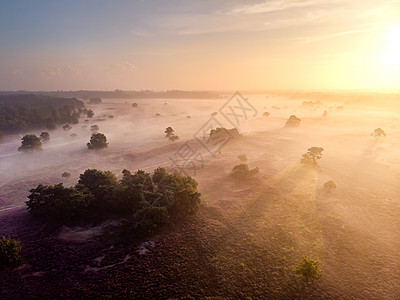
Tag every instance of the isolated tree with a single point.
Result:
(308, 270)
(329, 186)
(1, 136)
(44, 136)
(243, 172)
(94, 128)
(378, 133)
(30, 142)
(170, 134)
(266, 114)
(66, 127)
(325, 114)
(313, 154)
(97, 141)
(90, 113)
(134, 105)
(293, 121)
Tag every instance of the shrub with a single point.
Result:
(30, 142)
(148, 221)
(97, 141)
(134, 104)
(308, 270)
(94, 128)
(95, 100)
(243, 172)
(10, 253)
(90, 113)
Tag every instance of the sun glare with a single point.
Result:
(391, 53)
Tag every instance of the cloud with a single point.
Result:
(60, 72)
(124, 67)
(270, 6)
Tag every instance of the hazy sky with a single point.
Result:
(193, 44)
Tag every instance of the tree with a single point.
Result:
(293, 121)
(243, 172)
(97, 141)
(90, 113)
(10, 253)
(313, 154)
(170, 134)
(30, 142)
(44, 136)
(378, 133)
(134, 104)
(94, 128)
(1, 136)
(59, 203)
(308, 270)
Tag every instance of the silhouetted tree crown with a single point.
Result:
(293, 121)
(30, 142)
(97, 141)
(313, 154)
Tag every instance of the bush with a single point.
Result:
(149, 220)
(308, 270)
(10, 253)
(66, 127)
(30, 142)
(97, 141)
(243, 172)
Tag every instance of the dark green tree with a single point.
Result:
(30, 142)
(59, 203)
(243, 172)
(97, 141)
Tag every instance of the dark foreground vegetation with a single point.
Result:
(25, 112)
(145, 201)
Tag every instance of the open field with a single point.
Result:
(247, 237)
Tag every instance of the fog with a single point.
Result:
(353, 231)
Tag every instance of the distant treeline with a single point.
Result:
(146, 94)
(19, 113)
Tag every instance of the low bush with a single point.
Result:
(10, 253)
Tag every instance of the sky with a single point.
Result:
(199, 45)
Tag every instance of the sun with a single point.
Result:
(390, 56)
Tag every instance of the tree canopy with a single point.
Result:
(312, 155)
(24, 112)
(97, 141)
(30, 142)
(293, 121)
